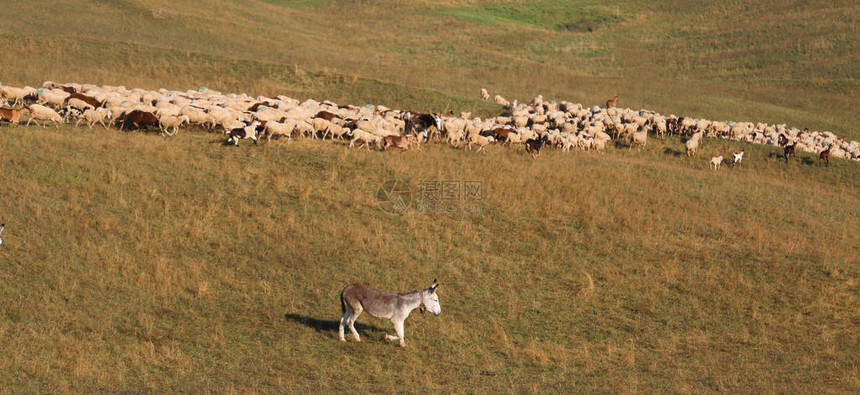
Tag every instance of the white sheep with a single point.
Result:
(692, 145)
(498, 99)
(515, 138)
(54, 98)
(93, 116)
(79, 104)
(40, 112)
(481, 141)
(455, 137)
(485, 95)
(639, 139)
(17, 94)
(166, 122)
(280, 129)
(336, 131)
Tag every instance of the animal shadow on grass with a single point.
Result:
(775, 155)
(673, 152)
(805, 160)
(327, 325)
(621, 144)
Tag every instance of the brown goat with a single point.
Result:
(13, 116)
(140, 119)
(789, 151)
(825, 156)
(613, 102)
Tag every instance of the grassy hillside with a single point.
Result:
(134, 263)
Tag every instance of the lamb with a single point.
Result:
(38, 111)
(485, 95)
(365, 137)
(95, 116)
(716, 162)
(335, 131)
(172, 121)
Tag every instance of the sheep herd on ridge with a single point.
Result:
(561, 125)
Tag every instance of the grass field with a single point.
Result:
(132, 263)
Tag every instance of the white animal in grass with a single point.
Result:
(2, 226)
(716, 162)
(739, 156)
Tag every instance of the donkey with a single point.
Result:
(395, 306)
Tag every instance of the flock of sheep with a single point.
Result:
(560, 125)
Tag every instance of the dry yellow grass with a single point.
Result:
(134, 262)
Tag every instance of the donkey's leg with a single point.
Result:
(398, 327)
(399, 333)
(343, 321)
(351, 322)
(391, 337)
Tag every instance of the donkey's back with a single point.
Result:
(360, 297)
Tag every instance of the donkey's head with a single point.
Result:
(431, 298)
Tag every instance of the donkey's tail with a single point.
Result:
(342, 304)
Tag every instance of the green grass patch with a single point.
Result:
(564, 16)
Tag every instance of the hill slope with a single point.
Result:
(133, 263)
